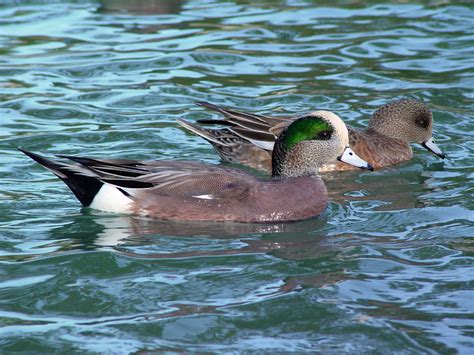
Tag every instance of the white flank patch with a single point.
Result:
(110, 199)
(262, 144)
(205, 197)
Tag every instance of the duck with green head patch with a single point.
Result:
(295, 146)
(249, 138)
(191, 191)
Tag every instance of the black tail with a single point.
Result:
(83, 186)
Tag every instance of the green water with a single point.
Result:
(388, 268)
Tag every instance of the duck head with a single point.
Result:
(408, 120)
(310, 142)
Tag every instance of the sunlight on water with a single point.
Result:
(388, 267)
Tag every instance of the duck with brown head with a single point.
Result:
(407, 120)
(191, 191)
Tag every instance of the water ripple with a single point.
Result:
(387, 266)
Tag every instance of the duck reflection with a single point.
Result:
(127, 230)
(152, 239)
(397, 187)
(300, 241)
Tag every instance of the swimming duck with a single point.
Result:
(193, 191)
(386, 141)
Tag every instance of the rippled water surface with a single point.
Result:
(388, 268)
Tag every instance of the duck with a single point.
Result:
(249, 138)
(195, 191)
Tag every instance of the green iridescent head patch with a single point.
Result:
(305, 129)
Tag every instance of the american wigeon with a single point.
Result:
(386, 141)
(192, 191)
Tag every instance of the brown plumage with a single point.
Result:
(377, 149)
(248, 138)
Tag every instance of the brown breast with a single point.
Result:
(376, 149)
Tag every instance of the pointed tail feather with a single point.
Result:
(85, 187)
(210, 106)
(202, 132)
(52, 166)
(236, 116)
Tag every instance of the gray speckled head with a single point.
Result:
(407, 119)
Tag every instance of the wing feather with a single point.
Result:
(168, 178)
(246, 120)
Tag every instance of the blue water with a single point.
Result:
(389, 267)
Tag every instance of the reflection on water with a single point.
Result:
(395, 188)
(136, 226)
(154, 239)
(389, 264)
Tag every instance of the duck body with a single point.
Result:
(248, 138)
(193, 191)
(261, 201)
(188, 191)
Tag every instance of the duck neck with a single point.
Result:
(287, 165)
(279, 157)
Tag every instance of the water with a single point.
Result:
(388, 268)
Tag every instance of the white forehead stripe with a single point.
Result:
(338, 124)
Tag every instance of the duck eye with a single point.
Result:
(324, 135)
(422, 122)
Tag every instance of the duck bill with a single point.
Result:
(433, 148)
(349, 157)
